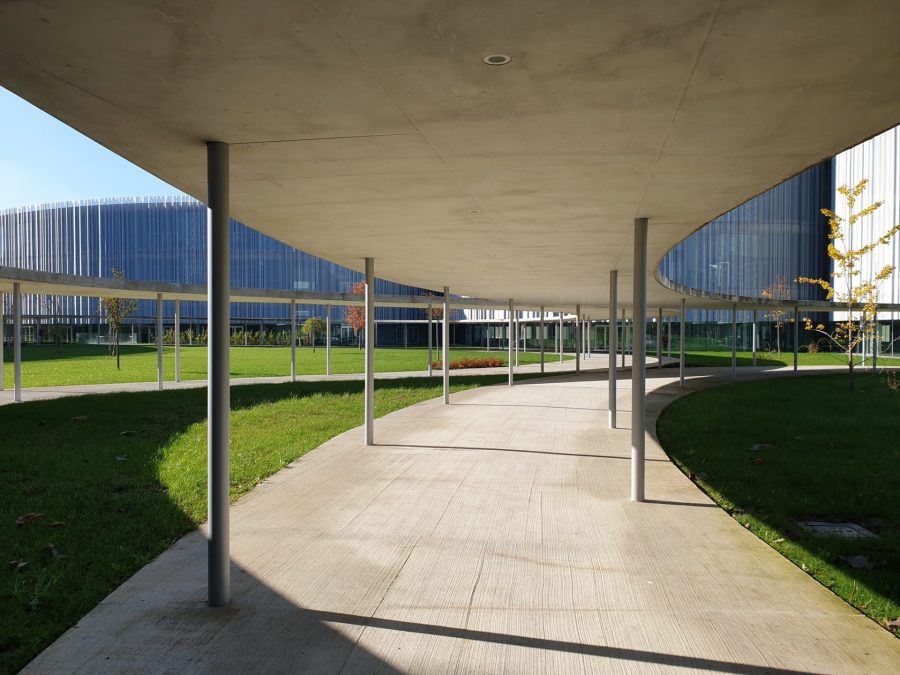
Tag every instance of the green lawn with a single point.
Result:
(711, 359)
(110, 502)
(823, 452)
(44, 366)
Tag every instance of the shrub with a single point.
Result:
(490, 362)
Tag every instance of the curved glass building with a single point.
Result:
(164, 240)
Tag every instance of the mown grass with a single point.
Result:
(119, 477)
(723, 359)
(823, 452)
(45, 366)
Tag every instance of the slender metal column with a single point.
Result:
(159, 342)
(510, 342)
(560, 337)
(328, 339)
(178, 340)
(542, 339)
(2, 340)
(754, 338)
(624, 336)
(577, 339)
(796, 338)
(17, 342)
(430, 357)
(445, 341)
(659, 319)
(370, 351)
(734, 341)
(293, 340)
(613, 339)
(219, 390)
(638, 360)
(681, 347)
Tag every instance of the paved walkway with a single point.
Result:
(493, 535)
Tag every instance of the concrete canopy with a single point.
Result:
(373, 128)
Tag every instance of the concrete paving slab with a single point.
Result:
(491, 535)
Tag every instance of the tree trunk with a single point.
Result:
(313, 338)
(118, 362)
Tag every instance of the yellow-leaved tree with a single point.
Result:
(847, 285)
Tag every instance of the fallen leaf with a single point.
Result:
(893, 625)
(748, 526)
(28, 518)
(127, 433)
(756, 447)
(858, 562)
(757, 460)
(17, 564)
(121, 458)
(79, 418)
(57, 524)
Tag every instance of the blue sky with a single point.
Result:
(43, 160)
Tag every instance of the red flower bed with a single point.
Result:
(489, 362)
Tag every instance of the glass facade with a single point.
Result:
(164, 240)
(765, 242)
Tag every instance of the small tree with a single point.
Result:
(859, 295)
(780, 290)
(115, 311)
(355, 315)
(311, 327)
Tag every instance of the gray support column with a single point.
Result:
(370, 351)
(178, 340)
(2, 341)
(430, 357)
(542, 337)
(219, 391)
(159, 342)
(405, 335)
(613, 339)
(560, 337)
(681, 339)
(734, 341)
(293, 340)
(445, 341)
(659, 320)
(510, 342)
(796, 338)
(328, 339)
(754, 338)
(577, 339)
(624, 336)
(638, 360)
(17, 342)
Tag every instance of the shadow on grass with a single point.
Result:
(775, 451)
(90, 466)
(50, 352)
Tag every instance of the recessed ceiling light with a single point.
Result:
(497, 59)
